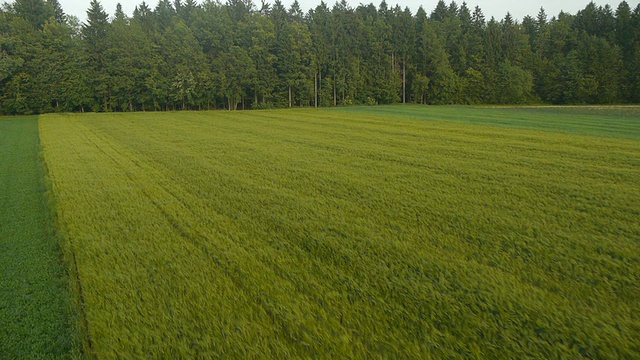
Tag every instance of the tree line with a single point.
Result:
(184, 55)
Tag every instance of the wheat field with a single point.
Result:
(382, 232)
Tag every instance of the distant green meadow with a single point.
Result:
(360, 232)
(608, 121)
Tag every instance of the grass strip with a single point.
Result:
(35, 310)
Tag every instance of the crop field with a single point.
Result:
(365, 232)
(35, 307)
(610, 121)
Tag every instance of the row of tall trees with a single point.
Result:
(184, 55)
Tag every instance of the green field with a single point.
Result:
(365, 232)
(610, 121)
(35, 307)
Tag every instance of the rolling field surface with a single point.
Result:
(35, 308)
(350, 233)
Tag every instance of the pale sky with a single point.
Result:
(496, 8)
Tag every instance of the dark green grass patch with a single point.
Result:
(34, 300)
(609, 121)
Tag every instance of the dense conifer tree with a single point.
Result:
(181, 54)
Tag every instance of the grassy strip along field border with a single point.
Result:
(36, 316)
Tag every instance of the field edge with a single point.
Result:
(80, 340)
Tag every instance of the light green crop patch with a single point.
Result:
(35, 311)
(347, 234)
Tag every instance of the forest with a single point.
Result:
(184, 55)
